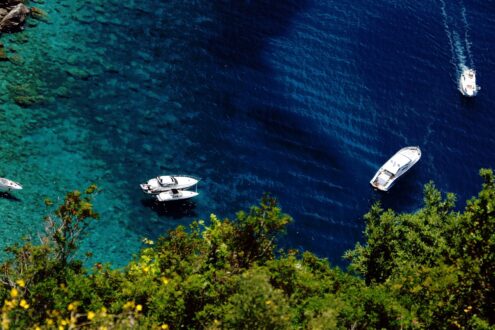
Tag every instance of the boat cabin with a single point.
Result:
(397, 165)
(167, 181)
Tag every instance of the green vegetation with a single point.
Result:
(432, 269)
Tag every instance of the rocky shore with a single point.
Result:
(13, 14)
(13, 18)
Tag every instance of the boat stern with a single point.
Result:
(146, 188)
(376, 185)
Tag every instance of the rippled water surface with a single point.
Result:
(304, 99)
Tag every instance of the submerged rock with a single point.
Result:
(39, 14)
(14, 20)
(20, 38)
(25, 95)
(62, 92)
(77, 73)
(16, 59)
(3, 55)
(27, 101)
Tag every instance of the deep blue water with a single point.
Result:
(303, 99)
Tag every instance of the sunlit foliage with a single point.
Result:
(431, 269)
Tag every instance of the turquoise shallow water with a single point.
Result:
(304, 99)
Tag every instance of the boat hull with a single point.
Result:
(153, 186)
(169, 196)
(467, 92)
(7, 185)
(467, 83)
(412, 153)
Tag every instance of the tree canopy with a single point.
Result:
(429, 269)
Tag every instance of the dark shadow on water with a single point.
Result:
(297, 134)
(467, 101)
(405, 193)
(175, 210)
(245, 26)
(6, 195)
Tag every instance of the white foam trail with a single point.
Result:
(459, 46)
(459, 51)
(466, 34)
(446, 27)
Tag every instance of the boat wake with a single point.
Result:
(456, 27)
(466, 34)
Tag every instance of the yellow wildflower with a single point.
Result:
(91, 315)
(164, 326)
(14, 293)
(268, 302)
(9, 303)
(24, 304)
(129, 305)
(5, 322)
(71, 307)
(139, 308)
(148, 241)
(73, 319)
(165, 280)
(21, 283)
(49, 321)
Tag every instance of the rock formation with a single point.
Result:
(12, 15)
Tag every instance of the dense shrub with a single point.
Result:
(431, 269)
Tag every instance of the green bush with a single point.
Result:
(431, 269)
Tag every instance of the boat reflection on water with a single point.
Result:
(176, 209)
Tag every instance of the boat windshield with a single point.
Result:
(166, 180)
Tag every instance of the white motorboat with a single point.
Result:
(9, 185)
(467, 82)
(175, 195)
(396, 166)
(167, 182)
